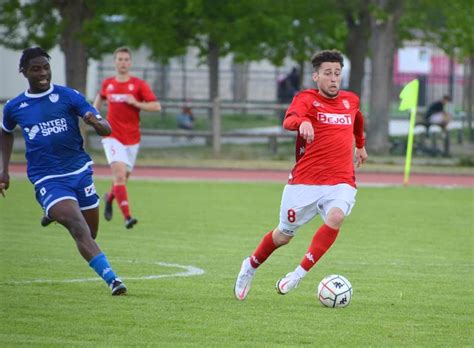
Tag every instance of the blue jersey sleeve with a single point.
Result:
(8, 123)
(80, 104)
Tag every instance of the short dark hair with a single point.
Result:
(29, 54)
(447, 98)
(123, 49)
(333, 56)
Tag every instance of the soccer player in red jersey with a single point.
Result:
(126, 95)
(327, 120)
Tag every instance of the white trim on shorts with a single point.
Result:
(6, 129)
(46, 211)
(307, 201)
(115, 151)
(91, 206)
(95, 205)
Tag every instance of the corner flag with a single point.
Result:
(409, 101)
(409, 96)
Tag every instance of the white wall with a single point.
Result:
(15, 83)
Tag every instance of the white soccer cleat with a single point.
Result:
(244, 280)
(287, 283)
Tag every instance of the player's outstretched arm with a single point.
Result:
(6, 144)
(101, 125)
(97, 102)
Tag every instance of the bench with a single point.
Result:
(426, 142)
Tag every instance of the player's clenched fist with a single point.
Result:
(90, 119)
(306, 131)
(100, 125)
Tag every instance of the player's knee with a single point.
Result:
(119, 171)
(62, 217)
(280, 238)
(120, 179)
(335, 218)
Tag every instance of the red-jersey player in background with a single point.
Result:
(126, 95)
(322, 180)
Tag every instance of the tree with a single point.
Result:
(304, 27)
(384, 21)
(215, 28)
(72, 24)
(163, 26)
(447, 25)
(223, 27)
(444, 24)
(357, 18)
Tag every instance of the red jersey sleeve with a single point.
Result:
(359, 130)
(146, 93)
(297, 112)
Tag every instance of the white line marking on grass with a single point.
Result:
(189, 271)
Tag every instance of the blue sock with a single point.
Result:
(101, 266)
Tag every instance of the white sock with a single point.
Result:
(300, 272)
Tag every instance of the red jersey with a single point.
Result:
(329, 159)
(123, 117)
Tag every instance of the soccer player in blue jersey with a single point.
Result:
(58, 166)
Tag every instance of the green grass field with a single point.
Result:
(407, 252)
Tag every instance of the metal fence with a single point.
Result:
(192, 84)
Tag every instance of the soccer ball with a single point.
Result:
(335, 291)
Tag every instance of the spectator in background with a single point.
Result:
(437, 113)
(185, 120)
(287, 87)
(294, 79)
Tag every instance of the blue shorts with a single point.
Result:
(79, 187)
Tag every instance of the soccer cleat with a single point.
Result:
(108, 208)
(244, 280)
(130, 222)
(45, 221)
(287, 283)
(118, 288)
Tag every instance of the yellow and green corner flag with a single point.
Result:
(409, 101)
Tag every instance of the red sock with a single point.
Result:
(120, 193)
(263, 251)
(322, 241)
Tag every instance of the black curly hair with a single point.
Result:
(31, 53)
(333, 56)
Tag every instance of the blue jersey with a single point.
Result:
(50, 126)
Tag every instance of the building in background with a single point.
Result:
(438, 74)
(16, 83)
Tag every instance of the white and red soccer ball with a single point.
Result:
(335, 291)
